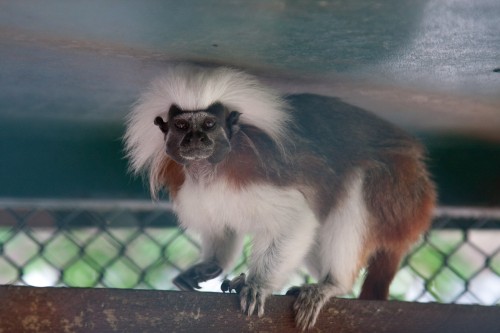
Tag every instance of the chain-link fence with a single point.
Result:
(136, 244)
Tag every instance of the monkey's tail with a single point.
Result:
(382, 267)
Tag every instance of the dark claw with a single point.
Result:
(225, 285)
(185, 284)
(190, 279)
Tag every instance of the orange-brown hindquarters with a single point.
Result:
(401, 199)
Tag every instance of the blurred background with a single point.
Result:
(72, 215)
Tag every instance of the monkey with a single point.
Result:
(315, 181)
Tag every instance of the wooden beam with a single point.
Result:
(28, 309)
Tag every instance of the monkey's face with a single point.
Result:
(198, 135)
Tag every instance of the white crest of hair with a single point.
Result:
(195, 88)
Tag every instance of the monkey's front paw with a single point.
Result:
(253, 297)
(308, 304)
(190, 279)
(235, 284)
(293, 291)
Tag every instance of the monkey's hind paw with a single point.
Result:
(235, 284)
(310, 300)
(253, 297)
(190, 279)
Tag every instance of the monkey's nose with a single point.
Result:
(197, 138)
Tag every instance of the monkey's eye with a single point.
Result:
(209, 124)
(181, 124)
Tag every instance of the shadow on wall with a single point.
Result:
(311, 37)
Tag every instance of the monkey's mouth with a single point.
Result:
(196, 153)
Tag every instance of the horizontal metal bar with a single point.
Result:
(84, 204)
(146, 205)
(467, 212)
(462, 218)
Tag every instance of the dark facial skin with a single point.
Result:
(198, 135)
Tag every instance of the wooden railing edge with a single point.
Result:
(31, 309)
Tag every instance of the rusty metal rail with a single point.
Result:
(28, 309)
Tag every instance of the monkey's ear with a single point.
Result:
(232, 118)
(163, 125)
(232, 122)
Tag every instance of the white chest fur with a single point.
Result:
(256, 207)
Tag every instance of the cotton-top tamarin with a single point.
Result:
(315, 181)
